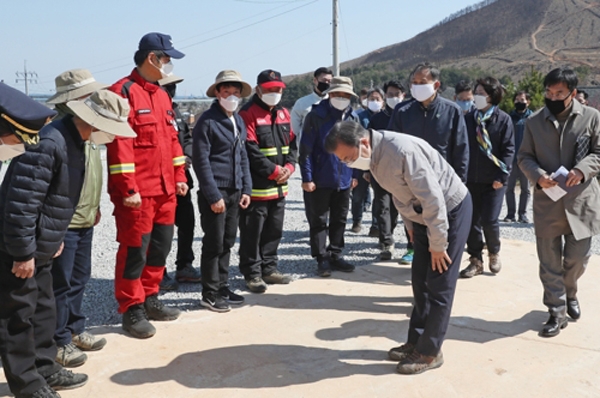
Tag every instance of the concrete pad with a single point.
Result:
(329, 337)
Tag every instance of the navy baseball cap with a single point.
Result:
(270, 78)
(161, 42)
(24, 114)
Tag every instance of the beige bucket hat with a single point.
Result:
(229, 76)
(170, 80)
(341, 84)
(74, 84)
(106, 111)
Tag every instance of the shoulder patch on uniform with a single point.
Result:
(143, 111)
(406, 106)
(281, 115)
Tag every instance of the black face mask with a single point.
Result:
(520, 106)
(322, 87)
(557, 106)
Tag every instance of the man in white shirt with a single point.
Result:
(321, 80)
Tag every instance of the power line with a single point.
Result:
(27, 77)
(224, 34)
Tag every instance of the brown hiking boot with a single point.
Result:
(495, 263)
(474, 268)
(399, 353)
(417, 363)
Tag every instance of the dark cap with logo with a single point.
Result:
(270, 78)
(24, 114)
(160, 42)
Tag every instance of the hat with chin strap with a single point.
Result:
(22, 115)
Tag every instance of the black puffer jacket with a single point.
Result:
(39, 193)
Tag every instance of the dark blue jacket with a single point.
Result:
(442, 125)
(519, 120)
(219, 155)
(381, 120)
(364, 117)
(39, 193)
(316, 165)
(501, 131)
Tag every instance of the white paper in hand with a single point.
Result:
(556, 192)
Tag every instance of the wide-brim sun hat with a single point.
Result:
(172, 79)
(229, 76)
(341, 84)
(74, 84)
(105, 111)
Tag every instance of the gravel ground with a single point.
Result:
(294, 255)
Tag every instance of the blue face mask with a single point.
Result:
(465, 105)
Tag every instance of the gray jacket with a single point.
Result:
(544, 150)
(424, 185)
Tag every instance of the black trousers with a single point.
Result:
(261, 229)
(27, 324)
(433, 292)
(487, 204)
(219, 237)
(185, 220)
(385, 213)
(327, 211)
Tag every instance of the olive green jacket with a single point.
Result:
(89, 200)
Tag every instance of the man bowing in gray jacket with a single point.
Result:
(436, 208)
(563, 134)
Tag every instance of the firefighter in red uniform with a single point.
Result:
(271, 148)
(145, 174)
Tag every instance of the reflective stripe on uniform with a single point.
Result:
(285, 150)
(262, 193)
(179, 161)
(122, 168)
(269, 151)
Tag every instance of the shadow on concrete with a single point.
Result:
(321, 301)
(259, 366)
(461, 328)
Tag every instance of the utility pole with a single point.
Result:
(336, 61)
(27, 77)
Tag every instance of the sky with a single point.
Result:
(290, 36)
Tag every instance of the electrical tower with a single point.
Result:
(27, 77)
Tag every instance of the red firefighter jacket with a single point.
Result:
(271, 145)
(152, 163)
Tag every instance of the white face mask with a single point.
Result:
(271, 99)
(364, 103)
(375, 106)
(339, 103)
(10, 151)
(480, 101)
(101, 138)
(392, 102)
(230, 103)
(422, 92)
(361, 163)
(166, 70)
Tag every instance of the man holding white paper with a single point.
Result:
(563, 134)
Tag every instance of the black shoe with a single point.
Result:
(508, 219)
(44, 392)
(135, 322)
(356, 227)
(341, 265)
(524, 220)
(573, 308)
(168, 284)
(157, 311)
(324, 268)
(214, 302)
(553, 326)
(66, 380)
(230, 296)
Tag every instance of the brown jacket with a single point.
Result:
(543, 151)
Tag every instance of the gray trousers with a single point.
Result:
(562, 262)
